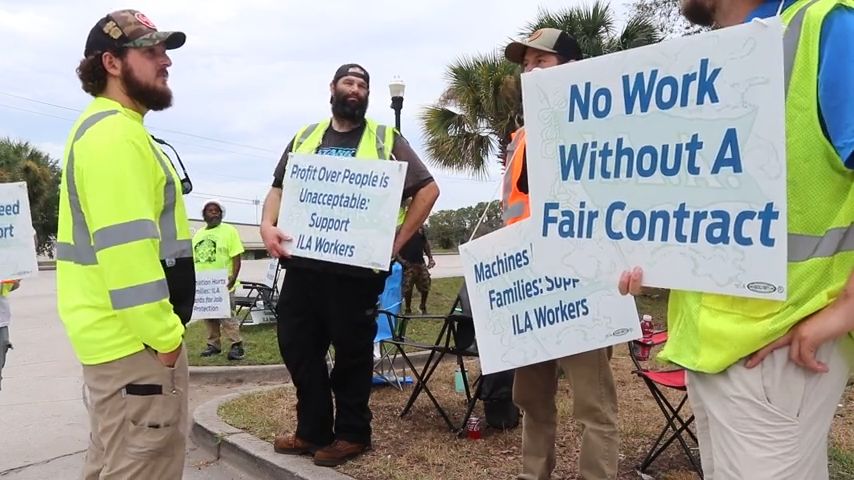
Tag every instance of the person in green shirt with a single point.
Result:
(218, 247)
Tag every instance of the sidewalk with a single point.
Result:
(43, 421)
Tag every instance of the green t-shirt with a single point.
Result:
(213, 248)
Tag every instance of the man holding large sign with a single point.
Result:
(771, 420)
(556, 320)
(328, 296)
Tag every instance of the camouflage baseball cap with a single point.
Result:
(131, 29)
(549, 40)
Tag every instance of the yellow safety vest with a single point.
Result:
(708, 333)
(123, 242)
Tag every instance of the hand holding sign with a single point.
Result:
(274, 240)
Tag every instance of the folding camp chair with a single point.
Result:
(384, 355)
(456, 337)
(675, 428)
(259, 297)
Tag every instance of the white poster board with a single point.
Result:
(212, 296)
(17, 235)
(525, 315)
(270, 275)
(342, 210)
(674, 154)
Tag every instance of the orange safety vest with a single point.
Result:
(514, 203)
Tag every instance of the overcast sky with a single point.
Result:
(252, 72)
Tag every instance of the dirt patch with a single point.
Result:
(420, 447)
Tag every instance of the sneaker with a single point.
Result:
(210, 351)
(423, 310)
(339, 452)
(236, 352)
(290, 444)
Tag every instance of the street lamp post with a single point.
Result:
(396, 88)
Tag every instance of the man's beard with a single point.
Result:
(149, 96)
(699, 12)
(343, 108)
(213, 220)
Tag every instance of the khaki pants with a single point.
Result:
(137, 432)
(770, 422)
(230, 327)
(594, 408)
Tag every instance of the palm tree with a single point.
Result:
(22, 162)
(473, 116)
(482, 105)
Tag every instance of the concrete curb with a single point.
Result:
(243, 451)
(241, 374)
(270, 373)
(247, 453)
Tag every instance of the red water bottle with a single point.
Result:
(646, 343)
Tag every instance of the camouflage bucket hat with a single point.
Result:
(128, 29)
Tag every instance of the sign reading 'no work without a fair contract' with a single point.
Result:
(674, 154)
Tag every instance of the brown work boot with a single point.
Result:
(338, 453)
(290, 444)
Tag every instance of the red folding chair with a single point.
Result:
(656, 381)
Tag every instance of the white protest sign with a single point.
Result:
(342, 210)
(524, 314)
(212, 296)
(270, 276)
(675, 153)
(17, 235)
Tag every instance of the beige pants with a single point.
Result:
(594, 408)
(137, 431)
(770, 422)
(217, 327)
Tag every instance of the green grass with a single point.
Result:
(443, 292)
(259, 342)
(262, 347)
(841, 464)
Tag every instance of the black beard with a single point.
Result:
(150, 97)
(699, 12)
(343, 109)
(213, 221)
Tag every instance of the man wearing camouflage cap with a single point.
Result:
(125, 276)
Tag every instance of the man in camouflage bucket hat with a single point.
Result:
(125, 274)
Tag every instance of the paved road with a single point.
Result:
(43, 424)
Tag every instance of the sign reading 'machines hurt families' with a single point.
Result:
(525, 314)
(17, 236)
(675, 153)
(342, 210)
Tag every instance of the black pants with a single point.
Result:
(315, 309)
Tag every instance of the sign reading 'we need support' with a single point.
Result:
(674, 153)
(17, 236)
(342, 210)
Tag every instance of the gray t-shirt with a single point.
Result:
(344, 144)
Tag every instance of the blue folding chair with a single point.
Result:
(384, 356)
